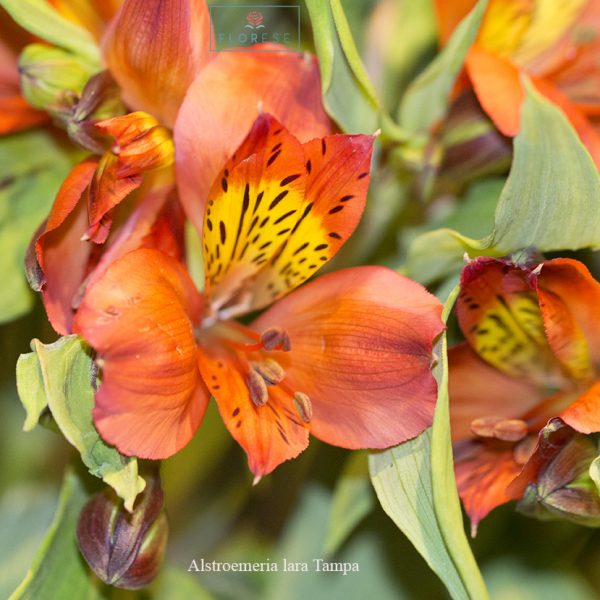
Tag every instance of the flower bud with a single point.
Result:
(563, 488)
(52, 78)
(124, 549)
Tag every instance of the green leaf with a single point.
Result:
(58, 571)
(64, 373)
(595, 472)
(550, 201)
(31, 389)
(416, 487)
(33, 167)
(175, 584)
(427, 98)
(352, 501)
(25, 513)
(348, 95)
(41, 19)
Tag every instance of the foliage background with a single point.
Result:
(311, 505)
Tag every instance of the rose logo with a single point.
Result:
(255, 19)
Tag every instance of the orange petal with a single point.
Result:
(141, 145)
(154, 49)
(93, 15)
(254, 200)
(584, 413)
(270, 434)
(498, 86)
(449, 14)
(139, 317)
(62, 256)
(479, 390)
(334, 200)
(483, 472)
(17, 115)
(361, 348)
(568, 296)
(222, 104)
(571, 282)
(498, 313)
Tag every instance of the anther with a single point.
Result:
(303, 406)
(257, 388)
(484, 427)
(270, 370)
(273, 337)
(510, 430)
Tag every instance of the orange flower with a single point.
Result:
(347, 357)
(555, 43)
(532, 353)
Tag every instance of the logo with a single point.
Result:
(263, 28)
(255, 20)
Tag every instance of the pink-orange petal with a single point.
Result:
(139, 317)
(478, 390)
(584, 413)
(361, 348)
(154, 49)
(224, 101)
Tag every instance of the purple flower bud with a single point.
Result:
(124, 549)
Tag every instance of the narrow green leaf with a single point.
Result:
(66, 376)
(445, 495)
(31, 171)
(415, 486)
(175, 584)
(351, 53)
(427, 98)
(551, 199)
(58, 571)
(345, 97)
(41, 19)
(352, 501)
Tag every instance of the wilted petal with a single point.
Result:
(223, 103)
(154, 49)
(139, 317)
(361, 349)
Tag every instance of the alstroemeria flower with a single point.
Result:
(556, 44)
(532, 353)
(347, 357)
(217, 113)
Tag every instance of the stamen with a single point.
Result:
(273, 337)
(303, 406)
(257, 388)
(270, 370)
(484, 427)
(511, 430)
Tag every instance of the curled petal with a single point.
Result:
(222, 104)
(361, 349)
(61, 255)
(141, 145)
(584, 413)
(154, 49)
(139, 317)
